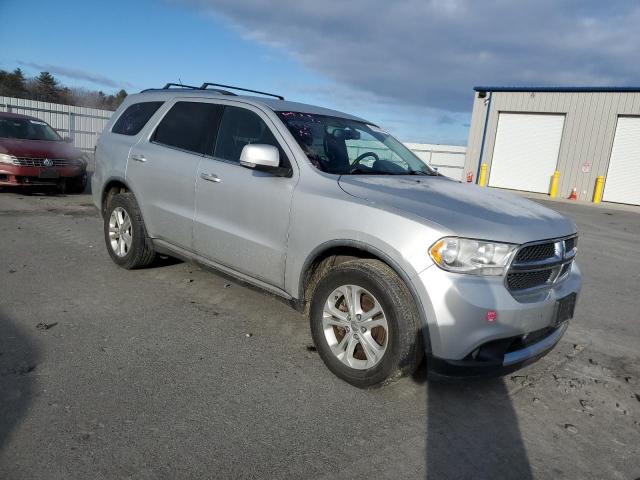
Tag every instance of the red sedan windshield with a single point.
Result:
(27, 129)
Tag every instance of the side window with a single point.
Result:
(189, 126)
(135, 117)
(240, 127)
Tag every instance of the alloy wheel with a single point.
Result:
(355, 327)
(120, 231)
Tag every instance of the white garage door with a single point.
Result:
(526, 151)
(623, 177)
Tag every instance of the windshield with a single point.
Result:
(27, 129)
(349, 147)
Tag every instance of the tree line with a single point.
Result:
(46, 88)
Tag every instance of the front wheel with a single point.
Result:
(76, 184)
(125, 234)
(365, 324)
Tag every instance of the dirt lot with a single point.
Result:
(173, 372)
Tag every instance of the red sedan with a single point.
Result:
(33, 154)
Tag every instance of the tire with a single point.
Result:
(77, 184)
(139, 252)
(396, 329)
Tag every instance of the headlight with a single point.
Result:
(477, 257)
(10, 159)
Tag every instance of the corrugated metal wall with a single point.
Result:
(81, 124)
(589, 128)
(448, 159)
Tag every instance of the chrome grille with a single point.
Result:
(39, 162)
(541, 265)
(536, 252)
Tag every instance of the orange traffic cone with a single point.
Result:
(574, 194)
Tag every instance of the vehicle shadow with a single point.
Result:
(164, 261)
(472, 426)
(18, 362)
(473, 432)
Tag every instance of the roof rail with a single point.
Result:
(207, 84)
(169, 85)
(221, 91)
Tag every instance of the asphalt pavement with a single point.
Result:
(174, 372)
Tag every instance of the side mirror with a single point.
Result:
(68, 140)
(260, 157)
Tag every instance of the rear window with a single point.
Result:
(135, 117)
(189, 126)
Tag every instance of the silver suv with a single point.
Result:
(389, 260)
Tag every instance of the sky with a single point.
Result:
(407, 65)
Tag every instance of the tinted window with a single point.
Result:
(240, 127)
(135, 117)
(189, 126)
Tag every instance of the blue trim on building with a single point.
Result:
(484, 136)
(559, 89)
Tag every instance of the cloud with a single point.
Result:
(446, 120)
(430, 53)
(77, 74)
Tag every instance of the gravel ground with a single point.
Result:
(173, 372)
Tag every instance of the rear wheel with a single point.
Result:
(365, 324)
(125, 234)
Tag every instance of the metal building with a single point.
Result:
(524, 135)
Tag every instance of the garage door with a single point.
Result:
(526, 151)
(622, 184)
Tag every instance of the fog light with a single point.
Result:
(491, 316)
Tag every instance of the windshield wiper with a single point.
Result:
(358, 171)
(422, 172)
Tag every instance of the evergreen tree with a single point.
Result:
(13, 84)
(47, 88)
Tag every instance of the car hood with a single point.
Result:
(38, 148)
(465, 209)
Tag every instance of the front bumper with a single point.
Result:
(17, 175)
(510, 361)
(523, 330)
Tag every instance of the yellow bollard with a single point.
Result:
(597, 191)
(483, 175)
(554, 184)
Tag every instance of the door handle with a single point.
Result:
(138, 158)
(210, 177)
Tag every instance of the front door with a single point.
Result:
(242, 215)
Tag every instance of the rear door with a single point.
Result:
(242, 215)
(163, 165)
(114, 145)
